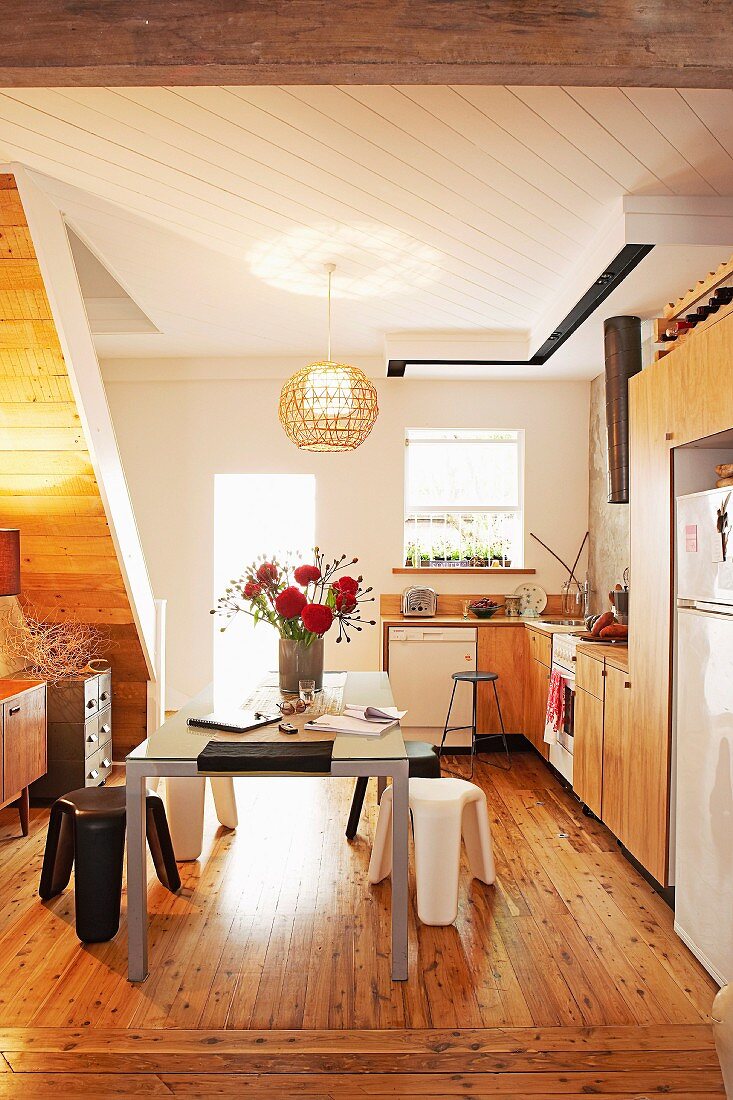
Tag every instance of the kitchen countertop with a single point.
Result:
(452, 620)
(496, 620)
(615, 655)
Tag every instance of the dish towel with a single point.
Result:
(555, 716)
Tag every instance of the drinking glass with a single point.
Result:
(307, 691)
(465, 608)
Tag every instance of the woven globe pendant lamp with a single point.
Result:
(328, 406)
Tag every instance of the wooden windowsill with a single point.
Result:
(459, 570)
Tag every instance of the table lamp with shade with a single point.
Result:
(9, 562)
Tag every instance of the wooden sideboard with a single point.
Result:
(686, 396)
(23, 742)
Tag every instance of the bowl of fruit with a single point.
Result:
(485, 608)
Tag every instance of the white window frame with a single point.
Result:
(485, 509)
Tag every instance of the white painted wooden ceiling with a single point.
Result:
(445, 209)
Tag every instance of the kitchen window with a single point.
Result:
(464, 494)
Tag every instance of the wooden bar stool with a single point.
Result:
(87, 829)
(474, 679)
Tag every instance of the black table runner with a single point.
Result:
(266, 756)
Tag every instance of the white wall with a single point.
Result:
(176, 435)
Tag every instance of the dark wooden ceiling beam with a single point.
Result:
(662, 43)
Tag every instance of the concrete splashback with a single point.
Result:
(608, 523)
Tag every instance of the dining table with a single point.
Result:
(172, 751)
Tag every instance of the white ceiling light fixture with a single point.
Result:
(328, 406)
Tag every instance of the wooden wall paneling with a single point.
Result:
(451, 603)
(48, 488)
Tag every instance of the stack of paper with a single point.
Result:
(375, 714)
(353, 720)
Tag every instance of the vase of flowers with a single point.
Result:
(302, 602)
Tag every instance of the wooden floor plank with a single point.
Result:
(295, 1062)
(91, 1040)
(287, 933)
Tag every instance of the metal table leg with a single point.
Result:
(137, 876)
(400, 832)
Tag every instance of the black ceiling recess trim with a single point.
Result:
(612, 277)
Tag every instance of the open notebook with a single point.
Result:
(367, 721)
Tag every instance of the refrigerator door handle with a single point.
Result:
(720, 611)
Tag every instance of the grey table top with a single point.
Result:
(177, 741)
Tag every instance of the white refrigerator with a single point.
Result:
(703, 715)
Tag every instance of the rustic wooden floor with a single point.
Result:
(270, 970)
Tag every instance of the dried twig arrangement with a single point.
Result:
(52, 650)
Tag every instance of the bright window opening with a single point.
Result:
(254, 514)
(463, 498)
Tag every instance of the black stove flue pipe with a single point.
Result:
(622, 342)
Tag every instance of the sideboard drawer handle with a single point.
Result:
(106, 763)
(14, 710)
(93, 774)
(92, 738)
(103, 695)
(91, 705)
(104, 729)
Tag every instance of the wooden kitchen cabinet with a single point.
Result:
(684, 397)
(538, 683)
(588, 774)
(504, 650)
(616, 810)
(23, 742)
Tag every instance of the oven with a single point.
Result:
(563, 661)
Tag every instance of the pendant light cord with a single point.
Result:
(330, 268)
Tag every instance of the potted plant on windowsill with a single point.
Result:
(302, 603)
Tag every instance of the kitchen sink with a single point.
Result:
(562, 622)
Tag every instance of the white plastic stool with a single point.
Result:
(442, 810)
(184, 800)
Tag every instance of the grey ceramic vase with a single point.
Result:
(300, 662)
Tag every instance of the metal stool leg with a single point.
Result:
(474, 687)
(503, 731)
(447, 718)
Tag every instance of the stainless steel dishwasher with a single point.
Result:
(422, 660)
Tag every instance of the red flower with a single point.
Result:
(252, 589)
(304, 574)
(346, 584)
(345, 602)
(290, 603)
(317, 617)
(267, 573)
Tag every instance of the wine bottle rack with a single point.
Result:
(688, 304)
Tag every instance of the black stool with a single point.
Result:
(423, 762)
(474, 679)
(87, 827)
